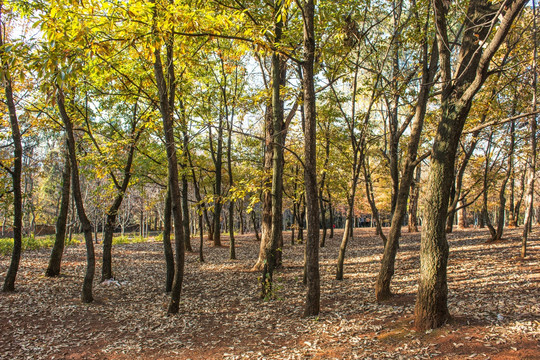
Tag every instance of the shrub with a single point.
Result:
(127, 240)
(32, 243)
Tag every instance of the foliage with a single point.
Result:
(31, 243)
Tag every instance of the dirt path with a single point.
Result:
(493, 296)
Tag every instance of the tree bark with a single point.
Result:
(386, 272)
(16, 174)
(531, 163)
(273, 256)
(413, 202)
(266, 216)
(312, 305)
(112, 212)
(431, 309)
(166, 91)
(167, 247)
(86, 294)
(55, 260)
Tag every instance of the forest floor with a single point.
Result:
(494, 298)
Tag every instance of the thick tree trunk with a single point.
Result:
(312, 305)
(431, 308)
(61, 222)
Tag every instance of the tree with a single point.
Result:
(531, 162)
(86, 295)
(16, 171)
(166, 90)
(481, 39)
(58, 248)
(312, 306)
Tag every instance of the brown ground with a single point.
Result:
(493, 295)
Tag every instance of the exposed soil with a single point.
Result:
(494, 298)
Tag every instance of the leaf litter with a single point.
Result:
(493, 299)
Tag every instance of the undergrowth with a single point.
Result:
(32, 243)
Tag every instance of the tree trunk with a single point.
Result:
(16, 173)
(431, 309)
(217, 185)
(61, 222)
(386, 272)
(86, 294)
(312, 305)
(331, 213)
(413, 202)
(531, 163)
(112, 212)
(166, 91)
(346, 235)
(266, 216)
(167, 247)
(273, 254)
(462, 214)
(185, 214)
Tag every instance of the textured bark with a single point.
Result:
(347, 234)
(431, 308)
(371, 200)
(16, 174)
(166, 90)
(386, 272)
(86, 294)
(322, 185)
(112, 212)
(531, 163)
(312, 305)
(413, 202)
(331, 212)
(462, 215)
(218, 162)
(167, 247)
(266, 216)
(55, 260)
(273, 254)
(485, 214)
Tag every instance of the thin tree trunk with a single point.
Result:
(16, 172)
(413, 202)
(266, 216)
(61, 222)
(112, 212)
(531, 163)
(166, 91)
(86, 294)
(273, 255)
(167, 247)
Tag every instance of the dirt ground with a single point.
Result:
(494, 298)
